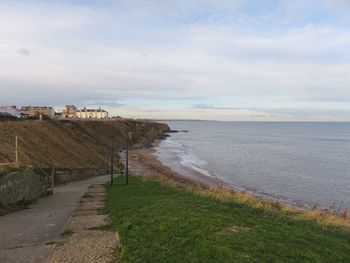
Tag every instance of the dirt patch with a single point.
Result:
(86, 212)
(96, 186)
(91, 199)
(93, 205)
(100, 194)
(96, 190)
(231, 230)
(79, 223)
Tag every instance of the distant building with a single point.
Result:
(11, 110)
(36, 111)
(69, 112)
(91, 114)
(72, 112)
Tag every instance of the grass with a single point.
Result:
(10, 169)
(67, 233)
(158, 223)
(49, 141)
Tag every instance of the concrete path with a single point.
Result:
(25, 235)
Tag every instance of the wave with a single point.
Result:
(182, 160)
(183, 156)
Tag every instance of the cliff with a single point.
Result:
(72, 144)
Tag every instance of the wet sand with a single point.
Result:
(143, 162)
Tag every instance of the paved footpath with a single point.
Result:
(25, 235)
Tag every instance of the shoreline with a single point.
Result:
(192, 177)
(214, 181)
(143, 162)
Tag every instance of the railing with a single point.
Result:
(15, 151)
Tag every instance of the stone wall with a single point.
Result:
(20, 188)
(66, 176)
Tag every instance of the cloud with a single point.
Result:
(108, 103)
(203, 106)
(24, 52)
(151, 54)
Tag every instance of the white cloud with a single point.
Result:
(83, 54)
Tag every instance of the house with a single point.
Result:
(72, 112)
(91, 113)
(36, 111)
(69, 112)
(11, 110)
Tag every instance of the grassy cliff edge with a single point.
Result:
(74, 144)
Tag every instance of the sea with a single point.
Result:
(303, 164)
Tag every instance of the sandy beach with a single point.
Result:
(143, 162)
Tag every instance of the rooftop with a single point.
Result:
(91, 110)
(36, 108)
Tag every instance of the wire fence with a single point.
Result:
(16, 151)
(8, 150)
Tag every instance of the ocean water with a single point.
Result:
(304, 164)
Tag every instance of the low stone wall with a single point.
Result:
(66, 176)
(20, 188)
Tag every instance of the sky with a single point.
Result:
(264, 60)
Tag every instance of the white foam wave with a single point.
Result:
(185, 156)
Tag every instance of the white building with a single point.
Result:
(12, 110)
(69, 112)
(91, 114)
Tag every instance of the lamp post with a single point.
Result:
(112, 161)
(16, 150)
(127, 158)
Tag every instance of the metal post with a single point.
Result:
(52, 179)
(16, 149)
(112, 160)
(127, 158)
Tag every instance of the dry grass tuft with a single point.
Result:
(325, 218)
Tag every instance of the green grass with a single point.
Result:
(160, 224)
(10, 169)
